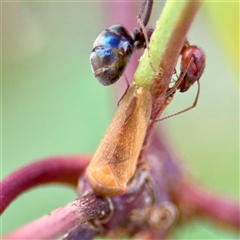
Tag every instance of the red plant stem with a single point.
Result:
(191, 199)
(59, 169)
(60, 221)
(212, 206)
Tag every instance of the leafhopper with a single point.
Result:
(114, 163)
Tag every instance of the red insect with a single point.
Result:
(192, 67)
(193, 59)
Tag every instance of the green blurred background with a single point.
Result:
(53, 105)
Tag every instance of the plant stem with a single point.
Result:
(164, 48)
(60, 221)
(58, 169)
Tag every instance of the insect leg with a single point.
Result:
(184, 110)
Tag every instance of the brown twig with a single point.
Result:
(60, 221)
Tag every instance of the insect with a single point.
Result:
(195, 69)
(192, 66)
(114, 163)
(114, 47)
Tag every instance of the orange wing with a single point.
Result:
(114, 162)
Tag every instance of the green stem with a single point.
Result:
(165, 47)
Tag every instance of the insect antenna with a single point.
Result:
(148, 11)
